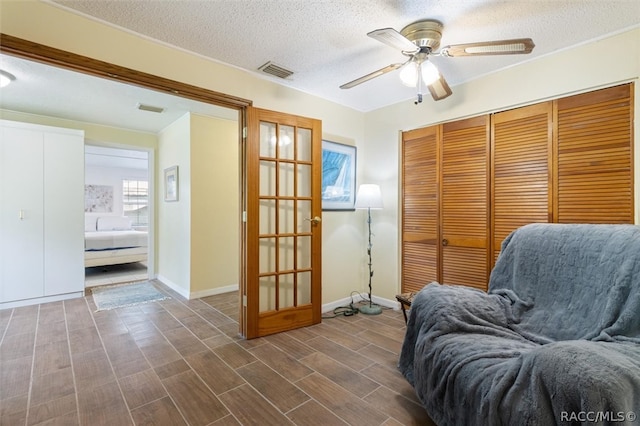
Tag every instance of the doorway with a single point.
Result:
(247, 127)
(118, 215)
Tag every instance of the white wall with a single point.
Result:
(173, 228)
(111, 176)
(564, 73)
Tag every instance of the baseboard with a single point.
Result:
(329, 307)
(214, 291)
(39, 300)
(173, 286)
(197, 294)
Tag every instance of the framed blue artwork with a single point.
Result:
(338, 176)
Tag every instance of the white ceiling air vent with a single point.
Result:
(150, 108)
(275, 70)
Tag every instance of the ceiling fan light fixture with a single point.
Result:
(429, 73)
(409, 73)
(6, 78)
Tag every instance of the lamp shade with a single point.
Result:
(369, 197)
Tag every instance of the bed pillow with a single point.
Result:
(90, 224)
(114, 223)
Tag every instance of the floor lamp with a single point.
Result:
(369, 197)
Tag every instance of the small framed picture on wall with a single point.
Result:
(171, 183)
(338, 176)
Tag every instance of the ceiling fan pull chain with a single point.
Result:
(419, 85)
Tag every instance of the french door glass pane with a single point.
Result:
(287, 143)
(267, 139)
(267, 217)
(304, 144)
(285, 217)
(304, 214)
(267, 178)
(304, 180)
(304, 288)
(286, 254)
(286, 180)
(286, 291)
(267, 255)
(304, 252)
(267, 293)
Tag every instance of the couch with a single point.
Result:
(556, 340)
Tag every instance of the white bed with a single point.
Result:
(111, 240)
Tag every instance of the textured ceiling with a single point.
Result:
(324, 41)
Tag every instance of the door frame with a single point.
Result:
(33, 51)
(151, 171)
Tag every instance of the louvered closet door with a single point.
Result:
(521, 164)
(419, 208)
(463, 210)
(595, 175)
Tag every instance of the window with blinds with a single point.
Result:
(135, 201)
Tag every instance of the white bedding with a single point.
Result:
(109, 240)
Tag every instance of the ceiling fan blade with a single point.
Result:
(370, 76)
(439, 89)
(498, 47)
(392, 38)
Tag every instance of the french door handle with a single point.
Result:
(316, 220)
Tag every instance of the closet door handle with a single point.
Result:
(445, 242)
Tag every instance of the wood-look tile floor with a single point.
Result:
(181, 362)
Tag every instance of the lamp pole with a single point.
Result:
(371, 309)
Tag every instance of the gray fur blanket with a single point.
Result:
(555, 341)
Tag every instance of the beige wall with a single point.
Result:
(49, 25)
(215, 209)
(590, 66)
(567, 72)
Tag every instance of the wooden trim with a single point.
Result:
(488, 199)
(252, 166)
(51, 56)
(553, 171)
(438, 189)
(632, 104)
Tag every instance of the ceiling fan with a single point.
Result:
(420, 40)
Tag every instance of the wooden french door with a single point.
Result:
(281, 280)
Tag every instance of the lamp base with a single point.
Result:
(370, 310)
